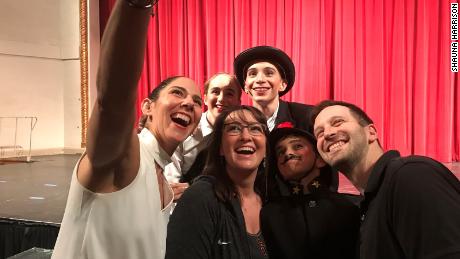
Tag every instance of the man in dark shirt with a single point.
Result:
(411, 206)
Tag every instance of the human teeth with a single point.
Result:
(245, 149)
(336, 145)
(259, 89)
(182, 117)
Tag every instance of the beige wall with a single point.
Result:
(40, 73)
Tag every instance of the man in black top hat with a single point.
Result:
(267, 73)
(303, 218)
(411, 206)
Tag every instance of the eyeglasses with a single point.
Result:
(235, 129)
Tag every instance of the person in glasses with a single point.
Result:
(218, 216)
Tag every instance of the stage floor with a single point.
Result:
(38, 191)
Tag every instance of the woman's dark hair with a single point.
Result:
(144, 119)
(156, 91)
(224, 188)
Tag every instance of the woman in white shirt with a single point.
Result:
(119, 201)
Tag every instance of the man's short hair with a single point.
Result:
(362, 118)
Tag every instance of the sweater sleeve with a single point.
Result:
(193, 224)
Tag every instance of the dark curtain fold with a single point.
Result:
(17, 236)
(392, 58)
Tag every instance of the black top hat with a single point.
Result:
(269, 54)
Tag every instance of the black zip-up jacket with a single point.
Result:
(203, 227)
(321, 225)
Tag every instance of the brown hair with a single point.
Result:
(233, 81)
(156, 91)
(224, 188)
(362, 118)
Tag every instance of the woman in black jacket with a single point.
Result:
(218, 216)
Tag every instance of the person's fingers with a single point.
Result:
(179, 185)
(178, 189)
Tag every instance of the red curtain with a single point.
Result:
(392, 58)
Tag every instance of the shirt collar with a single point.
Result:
(205, 126)
(147, 139)
(375, 180)
(271, 121)
(377, 173)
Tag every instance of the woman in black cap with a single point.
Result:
(303, 218)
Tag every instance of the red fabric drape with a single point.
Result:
(392, 58)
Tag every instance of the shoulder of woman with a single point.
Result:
(198, 199)
(202, 188)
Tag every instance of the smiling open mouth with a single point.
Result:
(220, 108)
(260, 89)
(181, 119)
(336, 146)
(245, 150)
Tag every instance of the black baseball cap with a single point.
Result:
(286, 129)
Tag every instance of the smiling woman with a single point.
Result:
(221, 91)
(176, 106)
(119, 181)
(203, 224)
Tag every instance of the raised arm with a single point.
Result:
(111, 126)
(112, 158)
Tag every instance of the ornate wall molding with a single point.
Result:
(84, 69)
